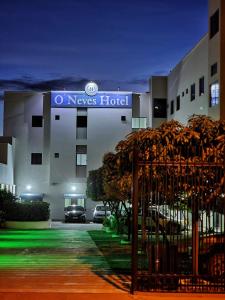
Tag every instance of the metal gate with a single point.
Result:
(178, 223)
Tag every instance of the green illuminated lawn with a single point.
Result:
(41, 249)
(117, 255)
(29, 239)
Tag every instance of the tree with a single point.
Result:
(95, 189)
(200, 142)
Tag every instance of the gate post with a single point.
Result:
(134, 221)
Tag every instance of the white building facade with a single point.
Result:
(61, 136)
(7, 157)
(196, 85)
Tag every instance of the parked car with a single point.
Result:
(75, 213)
(169, 221)
(100, 213)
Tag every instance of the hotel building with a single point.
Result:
(59, 136)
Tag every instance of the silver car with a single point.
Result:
(100, 213)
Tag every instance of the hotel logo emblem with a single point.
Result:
(91, 88)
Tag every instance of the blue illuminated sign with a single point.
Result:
(81, 99)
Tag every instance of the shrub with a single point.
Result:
(29, 211)
(7, 199)
(106, 222)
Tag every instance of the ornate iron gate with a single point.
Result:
(178, 223)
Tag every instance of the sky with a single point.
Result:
(62, 44)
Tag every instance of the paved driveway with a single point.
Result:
(61, 264)
(76, 226)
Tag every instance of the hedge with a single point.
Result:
(28, 211)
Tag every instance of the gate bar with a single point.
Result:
(134, 221)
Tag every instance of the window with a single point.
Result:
(138, 123)
(56, 155)
(214, 24)
(81, 155)
(201, 86)
(37, 121)
(123, 118)
(82, 121)
(81, 161)
(36, 158)
(186, 91)
(178, 102)
(193, 92)
(159, 108)
(81, 130)
(182, 94)
(81, 111)
(172, 107)
(214, 94)
(213, 69)
(57, 117)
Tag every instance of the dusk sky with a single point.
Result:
(56, 44)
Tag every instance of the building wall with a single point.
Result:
(188, 71)
(158, 87)
(18, 111)
(6, 165)
(142, 108)
(222, 59)
(214, 56)
(3, 153)
(105, 130)
(146, 108)
(56, 177)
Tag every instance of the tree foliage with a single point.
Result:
(195, 154)
(95, 189)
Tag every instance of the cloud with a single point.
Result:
(68, 83)
(27, 83)
(138, 81)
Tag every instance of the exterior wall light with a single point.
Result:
(28, 187)
(73, 188)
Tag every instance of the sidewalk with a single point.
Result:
(103, 296)
(65, 264)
